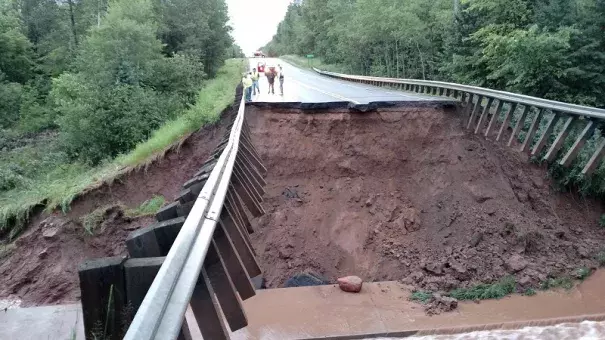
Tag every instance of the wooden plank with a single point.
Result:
(245, 161)
(518, 126)
(196, 180)
(219, 278)
(233, 262)
(510, 113)
(139, 274)
(206, 310)
(494, 118)
(476, 108)
(167, 212)
(243, 249)
(155, 240)
(103, 297)
(255, 208)
(529, 137)
(595, 159)
(247, 175)
(558, 143)
(255, 161)
(484, 114)
(186, 196)
(547, 132)
(238, 223)
(236, 202)
(578, 144)
(184, 209)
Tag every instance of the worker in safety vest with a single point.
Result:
(247, 83)
(255, 77)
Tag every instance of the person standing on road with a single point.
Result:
(255, 77)
(247, 83)
(281, 79)
(271, 74)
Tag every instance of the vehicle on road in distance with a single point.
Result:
(261, 67)
(259, 54)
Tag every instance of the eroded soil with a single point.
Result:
(407, 194)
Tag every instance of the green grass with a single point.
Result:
(93, 220)
(529, 292)
(600, 257)
(421, 296)
(583, 273)
(149, 207)
(484, 291)
(57, 187)
(558, 282)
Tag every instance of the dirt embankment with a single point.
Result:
(43, 267)
(408, 194)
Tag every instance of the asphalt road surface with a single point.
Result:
(307, 86)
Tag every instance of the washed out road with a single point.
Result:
(307, 86)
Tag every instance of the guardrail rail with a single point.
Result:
(487, 108)
(197, 256)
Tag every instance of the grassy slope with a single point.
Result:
(59, 186)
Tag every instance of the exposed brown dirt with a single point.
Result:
(43, 269)
(408, 194)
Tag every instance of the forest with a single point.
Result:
(85, 81)
(553, 49)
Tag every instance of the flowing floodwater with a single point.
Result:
(586, 330)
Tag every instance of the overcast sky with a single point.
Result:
(255, 22)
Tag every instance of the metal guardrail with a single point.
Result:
(186, 276)
(484, 115)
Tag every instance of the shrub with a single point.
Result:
(484, 291)
(421, 296)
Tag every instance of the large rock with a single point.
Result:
(515, 263)
(351, 284)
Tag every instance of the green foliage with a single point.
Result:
(582, 273)
(421, 296)
(93, 220)
(484, 291)
(602, 221)
(557, 282)
(52, 180)
(600, 257)
(149, 207)
(529, 292)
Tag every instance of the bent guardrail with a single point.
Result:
(484, 115)
(197, 256)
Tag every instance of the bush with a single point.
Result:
(484, 291)
(10, 101)
(97, 123)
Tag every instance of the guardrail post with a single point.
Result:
(484, 114)
(558, 143)
(531, 132)
(476, 109)
(206, 311)
(507, 117)
(103, 297)
(547, 132)
(494, 118)
(518, 125)
(575, 148)
(594, 161)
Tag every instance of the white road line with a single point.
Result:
(326, 93)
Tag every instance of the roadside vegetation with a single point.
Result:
(89, 89)
(552, 49)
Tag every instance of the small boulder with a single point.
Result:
(50, 232)
(351, 284)
(515, 263)
(434, 268)
(43, 254)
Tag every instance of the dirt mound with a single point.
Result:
(43, 267)
(408, 194)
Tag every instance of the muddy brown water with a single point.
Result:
(408, 194)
